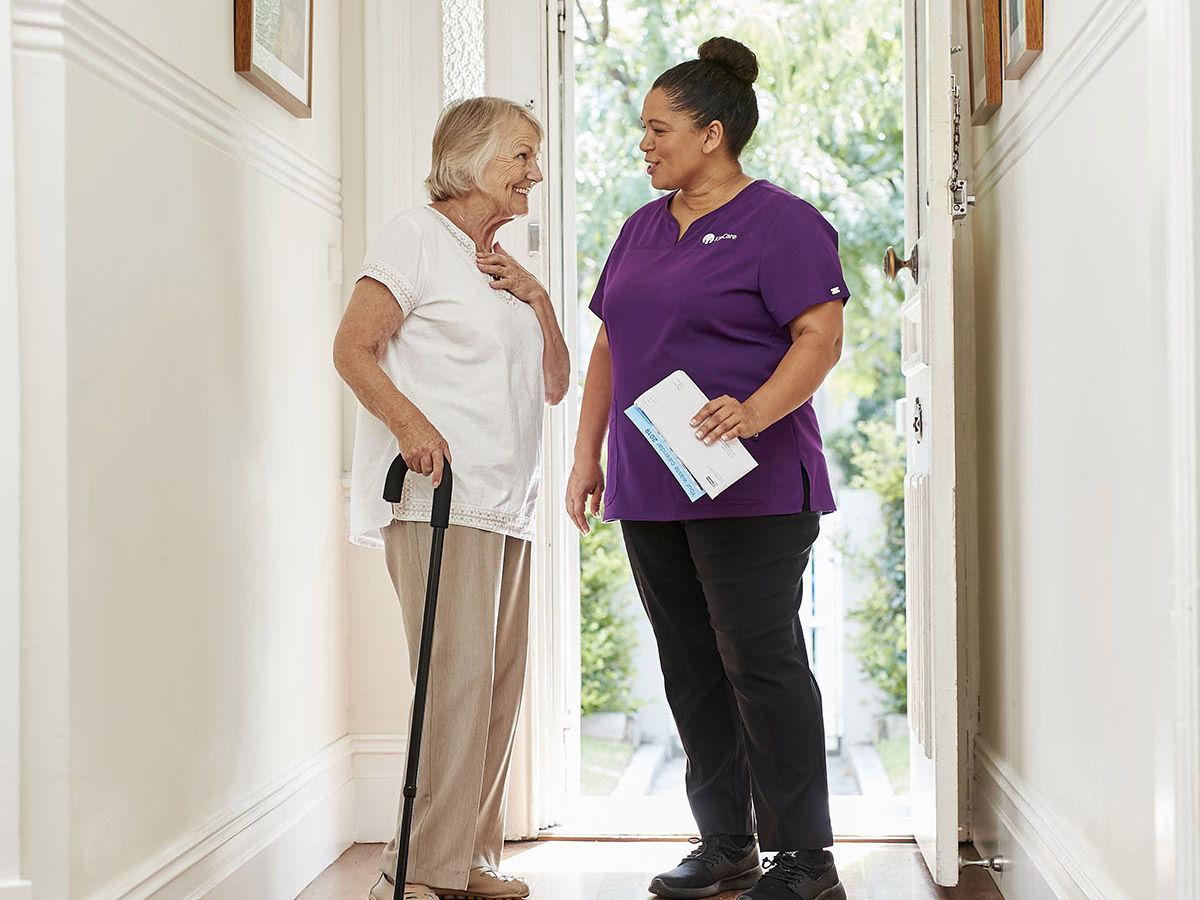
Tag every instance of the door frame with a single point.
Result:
(1174, 85)
(545, 768)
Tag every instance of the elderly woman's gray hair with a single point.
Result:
(468, 137)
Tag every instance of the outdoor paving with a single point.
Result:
(651, 800)
(669, 781)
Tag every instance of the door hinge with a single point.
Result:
(562, 16)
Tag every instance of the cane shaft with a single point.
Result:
(417, 726)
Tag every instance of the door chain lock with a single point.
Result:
(960, 199)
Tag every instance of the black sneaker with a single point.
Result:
(790, 876)
(719, 863)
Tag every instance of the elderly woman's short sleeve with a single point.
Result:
(396, 259)
(799, 265)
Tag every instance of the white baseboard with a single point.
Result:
(16, 890)
(273, 843)
(1042, 857)
(269, 847)
(378, 780)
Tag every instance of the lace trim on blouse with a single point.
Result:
(394, 282)
(483, 519)
(468, 246)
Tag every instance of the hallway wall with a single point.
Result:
(11, 886)
(1073, 459)
(185, 646)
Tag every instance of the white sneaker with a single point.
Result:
(385, 889)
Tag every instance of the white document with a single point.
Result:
(669, 406)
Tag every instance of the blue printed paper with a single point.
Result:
(689, 484)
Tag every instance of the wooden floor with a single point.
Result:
(607, 870)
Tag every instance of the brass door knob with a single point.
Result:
(892, 264)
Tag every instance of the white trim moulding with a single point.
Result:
(1106, 31)
(378, 766)
(311, 805)
(1175, 81)
(69, 28)
(1042, 848)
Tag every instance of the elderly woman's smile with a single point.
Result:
(509, 177)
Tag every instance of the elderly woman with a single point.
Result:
(452, 348)
(738, 283)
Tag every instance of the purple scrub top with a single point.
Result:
(716, 305)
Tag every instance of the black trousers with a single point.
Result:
(723, 597)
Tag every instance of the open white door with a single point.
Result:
(928, 360)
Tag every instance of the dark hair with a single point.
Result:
(718, 85)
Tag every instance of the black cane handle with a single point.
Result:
(393, 486)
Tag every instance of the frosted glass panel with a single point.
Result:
(462, 49)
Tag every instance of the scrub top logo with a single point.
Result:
(711, 238)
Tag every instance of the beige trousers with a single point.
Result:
(476, 677)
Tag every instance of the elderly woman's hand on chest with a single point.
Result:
(509, 275)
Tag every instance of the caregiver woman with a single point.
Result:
(452, 348)
(738, 283)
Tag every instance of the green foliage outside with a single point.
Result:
(872, 456)
(607, 637)
(893, 753)
(830, 93)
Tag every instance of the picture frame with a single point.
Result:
(1023, 36)
(985, 58)
(272, 49)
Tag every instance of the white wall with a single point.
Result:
(186, 649)
(10, 473)
(1073, 443)
(393, 88)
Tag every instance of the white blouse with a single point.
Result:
(470, 358)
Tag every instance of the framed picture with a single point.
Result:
(985, 58)
(1022, 36)
(272, 49)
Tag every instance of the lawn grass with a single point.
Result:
(894, 754)
(601, 763)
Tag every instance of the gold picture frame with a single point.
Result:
(985, 58)
(272, 49)
(1023, 36)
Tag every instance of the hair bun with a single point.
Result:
(733, 55)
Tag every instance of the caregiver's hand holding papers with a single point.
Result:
(663, 414)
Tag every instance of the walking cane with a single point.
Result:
(438, 521)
